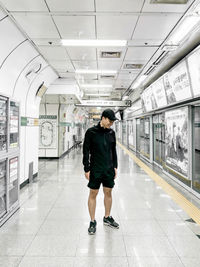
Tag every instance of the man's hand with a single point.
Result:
(115, 173)
(87, 175)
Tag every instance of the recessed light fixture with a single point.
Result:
(96, 85)
(82, 71)
(94, 43)
(98, 94)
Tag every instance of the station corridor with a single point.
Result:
(50, 228)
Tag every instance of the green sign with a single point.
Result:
(23, 121)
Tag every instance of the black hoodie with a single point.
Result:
(99, 149)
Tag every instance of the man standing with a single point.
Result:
(100, 166)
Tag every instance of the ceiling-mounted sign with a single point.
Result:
(104, 103)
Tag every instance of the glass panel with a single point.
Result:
(196, 180)
(138, 135)
(130, 134)
(159, 138)
(3, 124)
(2, 188)
(147, 136)
(142, 137)
(156, 141)
(13, 181)
(162, 124)
(124, 138)
(14, 128)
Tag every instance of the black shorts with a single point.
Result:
(105, 177)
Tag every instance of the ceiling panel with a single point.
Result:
(25, 5)
(122, 83)
(77, 27)
(118, 5)
(86, 77)
(62, 65)
(155, 27)
(139, 54)
(115, 27)
(36, 25)
(82, 53)
(47, 41)
(127, 75)
(112, 64)
(165, 7)
(67, 75)
(85, 64)
(53, 53)
(71, 5)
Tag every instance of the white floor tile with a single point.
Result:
(154, 261)
(47, 262)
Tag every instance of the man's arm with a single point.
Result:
(86, 152)
(115, 156)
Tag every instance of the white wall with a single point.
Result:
(18, 57)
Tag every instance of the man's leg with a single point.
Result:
(92, 203)
(107, 200)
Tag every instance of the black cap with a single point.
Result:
(109, 113)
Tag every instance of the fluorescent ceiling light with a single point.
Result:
(94, 43)
(82, 71)
(138, 81)
(96, 85)
(125, 97)
(98, 94)
(183, 29)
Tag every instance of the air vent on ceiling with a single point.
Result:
(160, 58)
(107, 76)
(168, 1)
(150, 69)
(107, 54)
(130, 66)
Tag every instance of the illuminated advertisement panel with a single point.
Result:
(149, 99)
(179, 80)
(194, 71)
(176, 140)
(169, 89)
(159, 93)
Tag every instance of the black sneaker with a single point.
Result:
(92, 228)
(110, 222)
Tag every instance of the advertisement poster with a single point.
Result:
(14, 121)
(194, 71)
(149, 99)
(159, 93)
(48, 131)
(169, 89)
(13, 169)
(179, 79)
(3, 124)
(176, 140)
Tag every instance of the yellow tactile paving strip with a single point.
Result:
(185, 204)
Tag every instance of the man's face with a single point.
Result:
(107, 123)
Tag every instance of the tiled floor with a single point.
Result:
(50, 229)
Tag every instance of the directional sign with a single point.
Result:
(104, 103)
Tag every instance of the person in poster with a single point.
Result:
(171, 98)
(176, 140)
